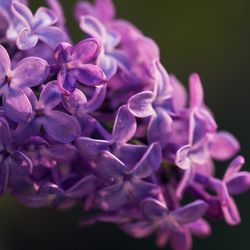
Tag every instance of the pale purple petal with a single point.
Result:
(200, 228)
(26, 39)
(231, 213)
(196, 91)
(106, 9)
(44, 17)
(150, 161)
(190, 212)
(61, 126)
(233, 168)
(4, 63)
(85, 51)
(107, 64)
(90, 148)
(186, 179)
(140, 105)
(30, 72)
(124, 126)
(16, 105)
(223, 146)
(160, 127)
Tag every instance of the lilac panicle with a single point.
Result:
(102, 124)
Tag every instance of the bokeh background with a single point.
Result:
(210, 37)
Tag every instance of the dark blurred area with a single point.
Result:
(208, 37)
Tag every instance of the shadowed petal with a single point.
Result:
(5, 135)
(66, 81)
(138, 230)
(140, 105)
(239, 183)
(4, 174)
(223, 146)
(85, 51)
(190, 212)
(23, 165)
(153, 208)
(150, 161)
(16, 105)
(124, 126)
(181, 240)
(61, 126)
(30, 72)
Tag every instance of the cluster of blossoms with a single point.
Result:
(102, 123)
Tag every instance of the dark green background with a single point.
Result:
(211, 37)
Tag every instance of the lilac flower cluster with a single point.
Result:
(102, 123)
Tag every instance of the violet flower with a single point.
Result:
(29, 72)
(74, 63)
(41, 26)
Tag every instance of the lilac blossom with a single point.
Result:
(74, 63)
(101, 124)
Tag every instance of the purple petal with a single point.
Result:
(150, 161)
(26, 39)
(200, 228)
(107, 64)
(196, 91)
(112, 197)
(90, 75)
(23, 13)
(4, 174)
(122, 60)
(140, 105)
(223, 146)
(16, 105)
(23, 166)
(234, 167)
(138, 230)
(160, 127)
(85, 51)
(66, 81)
(30, 72)
(61, 126)
(231, 213)
(190, 212)
(62, 52)
(50, 95)
(57, 9)
(181, 240)
(153, 208)
(52, 36)
(4, 63)
(106, 5)
(110, 167)
(90, 148)
(82, 188)
(93, 27)
(239, 183)
(124, 126)
(44, 17)
(5, 135)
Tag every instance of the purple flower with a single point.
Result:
(74, 63)
(125, 184)
(59, 125)
(13, 163)
(41, 26)
(29, 72)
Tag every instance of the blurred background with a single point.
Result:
(210, 37)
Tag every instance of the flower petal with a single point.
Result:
(5, 135)
(150, 162)
(4, 63)
(90, 75)
(152, 208)
(26, 39)
(190, 212)
(61, 126)
(90, 148)
(16, 105)
(196, 91)
(66, 81)
(30, 72)
(239, 183)
(234, 167)
(223, 146)
(107, 64)
(85, 51)
(231, 213)
(44, 17)
(140, 105)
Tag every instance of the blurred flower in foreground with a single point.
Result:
(103, 124)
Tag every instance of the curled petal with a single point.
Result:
(44, 17)
(26, 39)
(223, 146)
(61, 126)
(16, 105)
(30, 72)
(150, 161)
(90, 75)
(85, 51)
(190, 212)
(140, 105)
(124, 126)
